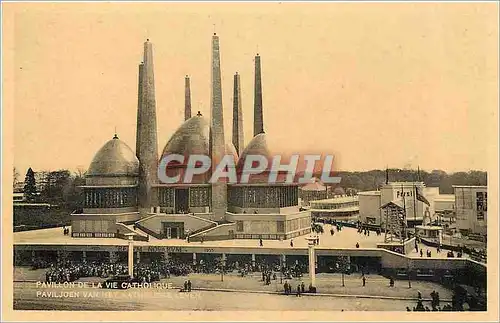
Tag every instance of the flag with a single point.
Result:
(420, 197)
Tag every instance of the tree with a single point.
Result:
(343, 263)
(29, 186)
(15, 177)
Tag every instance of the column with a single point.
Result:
(17, 257)
(130, 256)
(166, 256)
(283, 259)
(84, 256)
(312, 263)
(138, 256)
(113, 257)
(33, 255)
(253, 260)
(316, 261)
(194, 258)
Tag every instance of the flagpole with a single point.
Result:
(404, 215)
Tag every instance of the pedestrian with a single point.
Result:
(368, 232)
(285, 287)
(303, 287)
(421, 253)
(189, 285)
(291, 243)
(332, 232)
(364, 281)
(391, 282)
(419, 294)
(357, 244)
(185, 285)
(260, 242)
(298, 290)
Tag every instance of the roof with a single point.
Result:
(193, 138)
(114, 158)
(257, 146)
(337, 200)
(445, 197)
(470, 186)
(429, 227)
(369, 193)
(397, 203)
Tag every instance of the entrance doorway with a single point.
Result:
(181, 200)
(173, 230)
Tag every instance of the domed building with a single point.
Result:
(110, 191)
(126, 193)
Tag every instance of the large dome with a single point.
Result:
(193, 138)
(257, 146)
(115, 158)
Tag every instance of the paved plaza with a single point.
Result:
(25, 298)
(344, 239)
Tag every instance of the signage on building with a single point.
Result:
(403, 193)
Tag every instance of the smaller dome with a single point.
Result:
(115, 158)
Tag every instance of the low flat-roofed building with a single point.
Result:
(444, 208)
(471, 207)
(340, 207)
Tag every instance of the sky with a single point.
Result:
(375, 84)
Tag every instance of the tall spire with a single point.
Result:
(258, 122)
(217, 142)
(187, 98)
(237, 116)
(147, 144)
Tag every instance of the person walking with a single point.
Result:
(260, 242)
(291, 243)
(364, 281)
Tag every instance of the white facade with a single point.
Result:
(369, 207)
(471, 209)
(370, 202)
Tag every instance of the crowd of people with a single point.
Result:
(69, 271)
